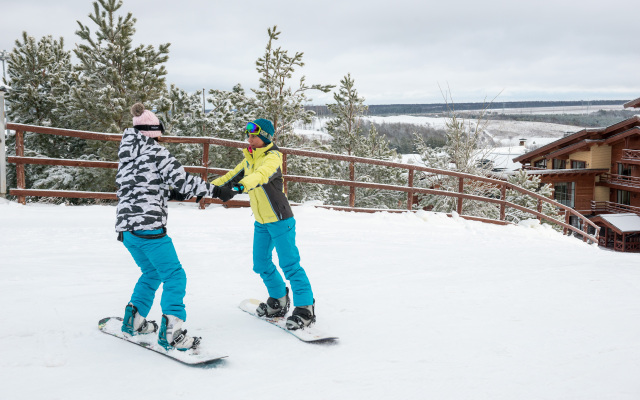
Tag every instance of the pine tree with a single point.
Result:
(182, 115)
(37, 71)
(376, 146)
(110, 77)
(228, 120)
(112, 74)
(467, 150)
(278, 101)
(348, 109)
(348, 138)
(531, 183)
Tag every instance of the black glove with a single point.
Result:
(174, 194)
(238, 188)
(224, 193)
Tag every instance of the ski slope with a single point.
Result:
(426, 307)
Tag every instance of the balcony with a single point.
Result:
(609, 207)
(631, 156)
(621, 180)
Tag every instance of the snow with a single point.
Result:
(425, 306)
(624, 222)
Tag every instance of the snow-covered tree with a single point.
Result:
(112, 74)
(182, 115)
(376, 146)
(348, 138)
(531, 183)
(37, 72)
(468, 150)
(345, 126)
(277, 100)
(228, 120)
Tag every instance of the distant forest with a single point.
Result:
(419, 109)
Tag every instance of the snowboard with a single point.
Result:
(310, 334)
(198, 357)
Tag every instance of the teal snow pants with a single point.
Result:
(158, 261)
(282, 236)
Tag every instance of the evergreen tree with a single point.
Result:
(278, 101)
(467, 150)
(532, 183)
(348, 138)
(112, 74)
(110, 77)
(228, 120)
(182, 115)
(37, 72)
(345, 128)
(376, 146)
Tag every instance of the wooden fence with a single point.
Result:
(204, 170)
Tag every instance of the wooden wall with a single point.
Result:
(584, 193)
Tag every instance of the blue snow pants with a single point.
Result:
(282, 236)
(158, 260)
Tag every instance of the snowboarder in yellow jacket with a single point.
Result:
(260, 175)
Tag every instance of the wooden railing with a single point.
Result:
(613, 208)
(622, 180)
(631, 155)
(204, 170)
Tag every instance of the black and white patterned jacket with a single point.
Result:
(145, 174)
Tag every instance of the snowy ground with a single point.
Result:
(427, 307)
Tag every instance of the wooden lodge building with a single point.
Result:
(596, 171)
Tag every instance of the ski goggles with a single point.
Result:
(253, 129)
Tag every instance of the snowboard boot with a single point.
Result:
(135, 324)
(274, 307)
(302, 317)
(172, 336)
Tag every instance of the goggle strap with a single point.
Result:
(150, 127)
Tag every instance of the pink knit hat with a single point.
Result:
(145, 117)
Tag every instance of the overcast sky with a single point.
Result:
(397, 51)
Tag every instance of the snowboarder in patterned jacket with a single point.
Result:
(260, 175)
(148, 176)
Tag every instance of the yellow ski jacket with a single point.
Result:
(261, 175)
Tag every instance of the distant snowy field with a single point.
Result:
(426, 307)
(506, 135)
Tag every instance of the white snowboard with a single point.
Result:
(308, 334)
(197, 357)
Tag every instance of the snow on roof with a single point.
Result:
(623, 222)
(632, 104)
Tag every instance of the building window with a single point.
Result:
(564, 193)
(559, 164)
(578, 164)
(541, 163)
(624, 169)
(624, 197)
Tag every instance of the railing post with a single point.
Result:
(352, 189)
(3, 145)
(284, 173)
(410, 194)
(567, 218)
(503, 197)
(539, 208)
(461, 191)
(205, 164)
(585, 229)
(20, 167)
